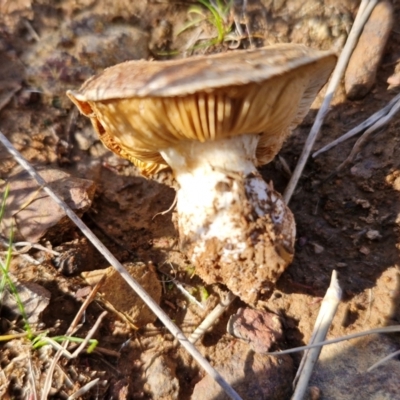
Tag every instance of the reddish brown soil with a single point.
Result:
(335, 215)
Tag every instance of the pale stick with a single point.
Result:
(322, 324)
(212, 317)
(359, 128)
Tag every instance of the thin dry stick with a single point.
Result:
(180, 287)
(166, 211)
(27, 246)
(383, 360)
(365, 136)
(359, 128)
(176, 332)
(212, 317)
(31, 379)
(324, 320)
(84, 389)
(363, 14)
(387, 329)
(11, 91)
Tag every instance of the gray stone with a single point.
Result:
(162, 382)
(341, 372)
(252, 375)
(33, 214)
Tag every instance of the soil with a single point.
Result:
(346, 221)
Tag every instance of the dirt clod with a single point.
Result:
(121, 296)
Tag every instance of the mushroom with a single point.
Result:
(213, 119)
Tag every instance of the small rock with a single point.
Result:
(74, 256)
(162, 382)
(122, 297)
(394, 80)
(33, 214)
(364, 250)
(393, 179)
(363, 65)
(364, 169)
(252, 375)
(318, 249)
(315, 393)
(362, 202)
(34, 297)
(85, 139)
(260, 329)
(373, 235)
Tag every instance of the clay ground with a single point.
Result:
(348, 222)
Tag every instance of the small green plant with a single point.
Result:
(38, 339)
(216, 13)
(4, 269)
(42, 340)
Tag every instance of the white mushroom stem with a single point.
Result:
(229, 216)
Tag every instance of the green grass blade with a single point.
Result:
(3, 202)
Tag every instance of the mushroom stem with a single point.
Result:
(229, 217)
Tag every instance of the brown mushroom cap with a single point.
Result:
(140, 107)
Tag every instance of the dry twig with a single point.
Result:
(383, 360)
(365, 136)
(387, 329)
(363, 14)
(11, 91)
(84, 389)
(359, 128)
(212, 317)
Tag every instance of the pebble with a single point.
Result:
(34, 214)
(364, 250)
(252, 375)
(260, 329)
(162, 382)
(33, 296)
(373, 234)
(363, 65)
(318, 249)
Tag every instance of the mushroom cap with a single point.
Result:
(141, 107)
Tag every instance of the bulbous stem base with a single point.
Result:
(234, 227)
